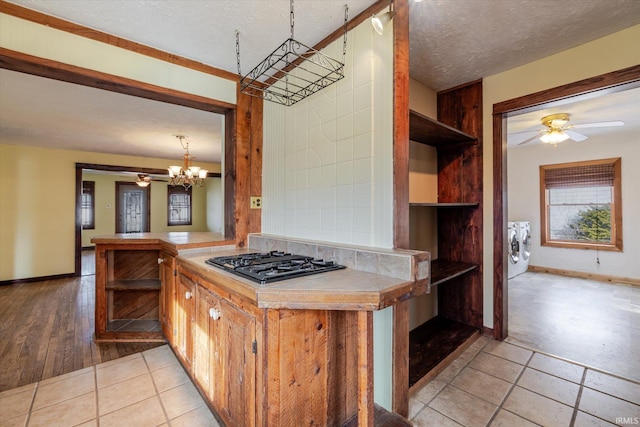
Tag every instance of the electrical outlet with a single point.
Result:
(256, 202)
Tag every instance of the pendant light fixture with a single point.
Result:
(379, 22)
(186, 175)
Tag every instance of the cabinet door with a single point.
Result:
(204, 350)
(167, 268)
(225, 362)
(183, 318)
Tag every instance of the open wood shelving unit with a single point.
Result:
(457, 271)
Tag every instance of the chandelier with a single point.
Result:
(186, 175)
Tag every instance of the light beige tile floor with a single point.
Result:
(144, 389)
(491, 383)
(502, 384)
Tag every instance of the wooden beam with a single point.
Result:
(365, 369)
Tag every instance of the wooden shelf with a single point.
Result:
(434, 344)
(431, 132)
(443, 270)
(444, 205)
(134, 285)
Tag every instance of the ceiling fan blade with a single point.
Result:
(527, 131)
(533, 138)
(597, 125)
(575, 135)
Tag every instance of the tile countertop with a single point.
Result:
(374, 278)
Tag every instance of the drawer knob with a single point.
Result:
(214, 314)
(188, 295)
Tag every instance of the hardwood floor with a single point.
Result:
(46, 329)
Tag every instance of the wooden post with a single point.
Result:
(365, 368)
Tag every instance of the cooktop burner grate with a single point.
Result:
(272, 266)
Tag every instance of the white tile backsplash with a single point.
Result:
(344, 150)
(362, 145)
(362, 122)
(362, 171)
(344, 173)
(327, 140)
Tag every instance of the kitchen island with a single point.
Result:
(129, 283)
(295, 352)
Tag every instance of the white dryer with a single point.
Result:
(525, 246)
(513, 248)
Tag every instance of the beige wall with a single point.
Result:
(610, 53)
(105, 206)
(37, 212)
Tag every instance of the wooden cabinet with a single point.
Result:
(273, 367)
(225, 358)
(183, 318)
(457, 271)
(128, 287)
(168, 275)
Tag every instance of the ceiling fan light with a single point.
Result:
(554, 136)
(143, 184)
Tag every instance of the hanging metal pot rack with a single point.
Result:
(293, 71)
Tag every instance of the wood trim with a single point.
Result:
(603, 84)
(487, 332)
(230, 143)
(90, 33)
(500, 292)
(400, 351)
(583, 275)
(77, 262)
(29, 64)
(615, 81)
(37, 279)
(120, 168)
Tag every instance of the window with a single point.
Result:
(179, 203)
(88, 205)
(581, 205)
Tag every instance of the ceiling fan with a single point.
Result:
(144, 179)
(558, 129)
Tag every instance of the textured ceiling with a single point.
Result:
(452, 42)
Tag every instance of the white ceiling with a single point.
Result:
(452, 42)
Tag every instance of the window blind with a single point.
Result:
(594, 175)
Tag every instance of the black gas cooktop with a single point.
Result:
(272, 266)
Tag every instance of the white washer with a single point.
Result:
(513, 249)
(525, 246)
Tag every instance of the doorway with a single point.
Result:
(133, 208)
(600, 85)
